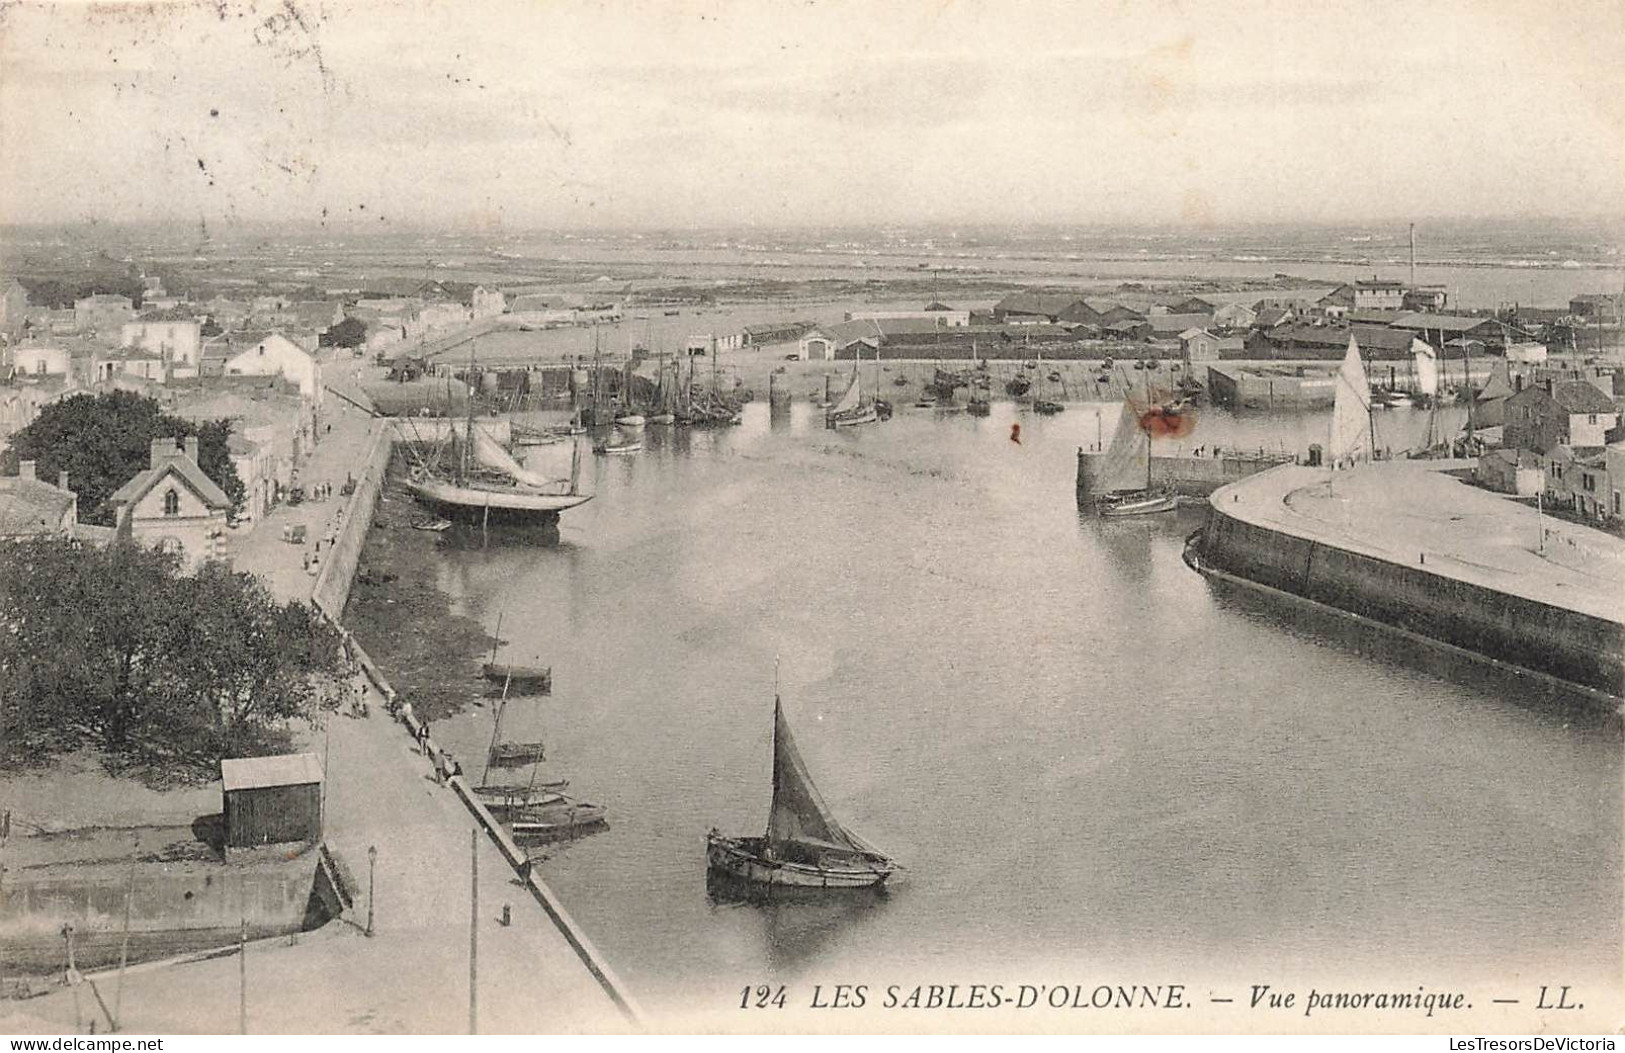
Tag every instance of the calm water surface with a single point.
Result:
(1080, 750)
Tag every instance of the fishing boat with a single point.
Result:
(533, 810)
(852, 409)
(484, 484)
(527, 435)
(552, 820)
(978, 405)
(618, 446)
(805, 846)
(1126, 475)
(1048, 407)
(525, 679)
(631, 420)
(433, 524)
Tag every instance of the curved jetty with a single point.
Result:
(1407, 545)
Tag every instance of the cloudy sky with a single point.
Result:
(702, 112)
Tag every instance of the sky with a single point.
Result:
(508, 115)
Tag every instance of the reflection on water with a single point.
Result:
(1081, 750)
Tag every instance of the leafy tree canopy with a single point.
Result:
(102, 441)
(115, 648)
(349, 333)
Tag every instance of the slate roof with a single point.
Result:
(193, 476)
(29, 506)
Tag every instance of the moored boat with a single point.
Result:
(524, 679)
(552, 820)
(619, 446)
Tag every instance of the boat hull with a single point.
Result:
(519, 677)
(743, 859)
(556, 820)
(1137, 503)
(496, 504)
(853, 419)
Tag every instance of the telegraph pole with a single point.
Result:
(473, 932)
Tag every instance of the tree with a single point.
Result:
(352, 332)
(117, 649)
(102, 441)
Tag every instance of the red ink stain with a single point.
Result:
(1015, 433)
(1163, 416)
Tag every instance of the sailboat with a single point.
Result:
(1040, 403)
(805, 846)
(663, 411)
(851, 409)
(532, 810)
(1126, 474)
(485, 484)
(1353, 432)
(979, 405)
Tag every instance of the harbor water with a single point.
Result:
(1093, 764)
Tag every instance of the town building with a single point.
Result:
(487, 303)
(1379, 294)
(1425, 298)
(1234, 316)
(1193, 305)
(946, 318)
(31, 507)
(143, 365)
(1438, 329)
(42, 360)
(1510, 471)
(775, 333)
(102, 313)
(1169, 326)
(174, 336)
(1025, 307)
(276, 355)
(1597, 308)
(173, 505)
(1614, 465)
(13, 311)
(1198, 345)
(271, 801)
(1559, 413)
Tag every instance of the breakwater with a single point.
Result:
(1514, 621)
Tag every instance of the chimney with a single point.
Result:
(25, 470)
(191, 448)
(163, 450)
(62, 480)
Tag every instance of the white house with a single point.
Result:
(35, 360)
(276, 355)
(178, 341)
(487, 302)
(106, 365)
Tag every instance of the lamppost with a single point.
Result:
(372, 873)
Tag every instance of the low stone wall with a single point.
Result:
(1189, 476)
(173, 908)
(332, 589)
(1566, 644)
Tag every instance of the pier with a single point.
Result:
(1407, 545)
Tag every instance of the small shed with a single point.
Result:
(272, 800)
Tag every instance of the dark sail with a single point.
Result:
(799, 815)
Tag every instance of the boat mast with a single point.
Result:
(468, 435)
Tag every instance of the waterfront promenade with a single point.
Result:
(412, 976)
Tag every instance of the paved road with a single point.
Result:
(412, 976)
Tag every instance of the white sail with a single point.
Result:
(848, 401)
(1124, 466)
(1427, 367)
(1350, 438)
(490, 453)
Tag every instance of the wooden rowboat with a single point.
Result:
(524, 679)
